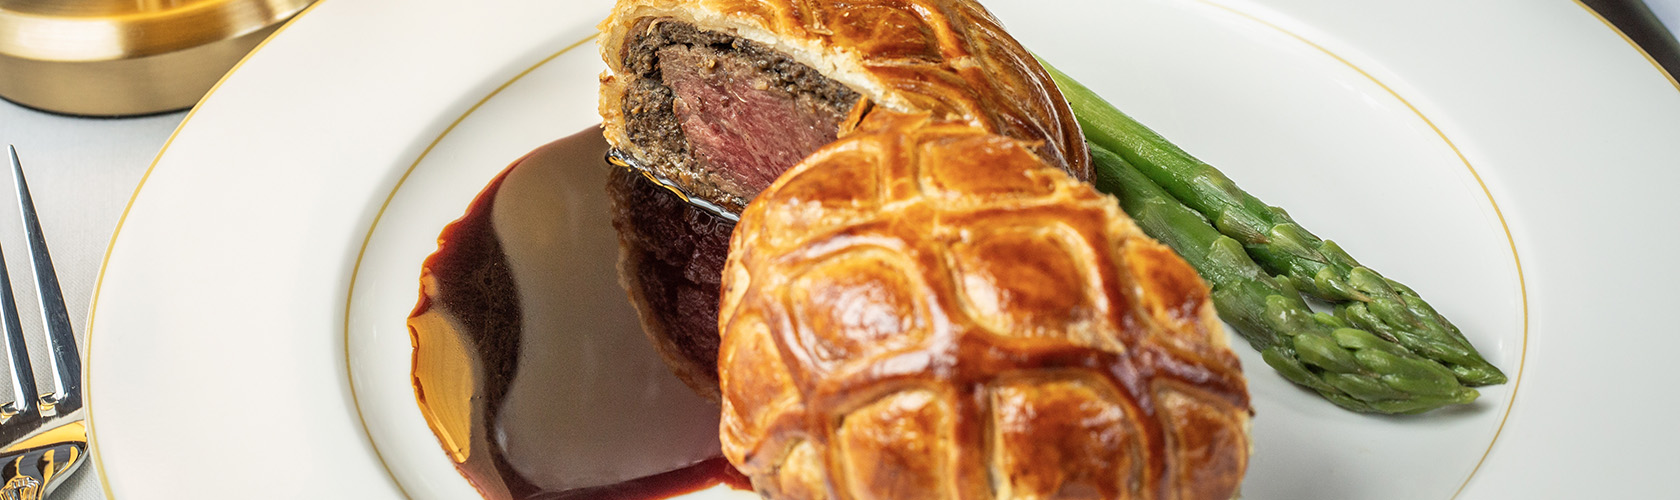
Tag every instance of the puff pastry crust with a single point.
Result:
(925, 309)
(949, 58)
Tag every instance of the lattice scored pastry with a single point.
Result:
(925, 310)
(718, 97)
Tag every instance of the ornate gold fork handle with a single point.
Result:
(32, 468)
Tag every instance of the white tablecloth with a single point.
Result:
(82, 172)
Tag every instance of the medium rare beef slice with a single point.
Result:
(722, 116)
(737, 123)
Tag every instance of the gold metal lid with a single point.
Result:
(115, 57)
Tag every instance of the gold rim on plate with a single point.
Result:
(1522, 280)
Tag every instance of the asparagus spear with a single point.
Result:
(1320, 268)
(1348, 366)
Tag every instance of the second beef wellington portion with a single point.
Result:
(923, 310)
(719, 97)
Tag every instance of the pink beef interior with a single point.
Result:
(738, 122)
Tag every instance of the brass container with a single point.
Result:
(113, 57)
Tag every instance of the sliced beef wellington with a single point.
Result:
(716, 98)
(719, 97)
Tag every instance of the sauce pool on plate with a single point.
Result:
(530, 364)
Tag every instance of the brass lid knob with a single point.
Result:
(108, 57)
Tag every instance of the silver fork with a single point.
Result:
(45, 440)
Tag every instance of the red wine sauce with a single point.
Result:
(529, 363)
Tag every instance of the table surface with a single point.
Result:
(82, 172)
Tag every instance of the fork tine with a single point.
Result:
(23, 375)
(66, 362)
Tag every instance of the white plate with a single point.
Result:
(1510, 161)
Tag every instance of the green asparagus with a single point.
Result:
(1348, 366)
(1363, 298)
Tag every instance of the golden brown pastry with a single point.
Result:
(925, 310)
(721, 96)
